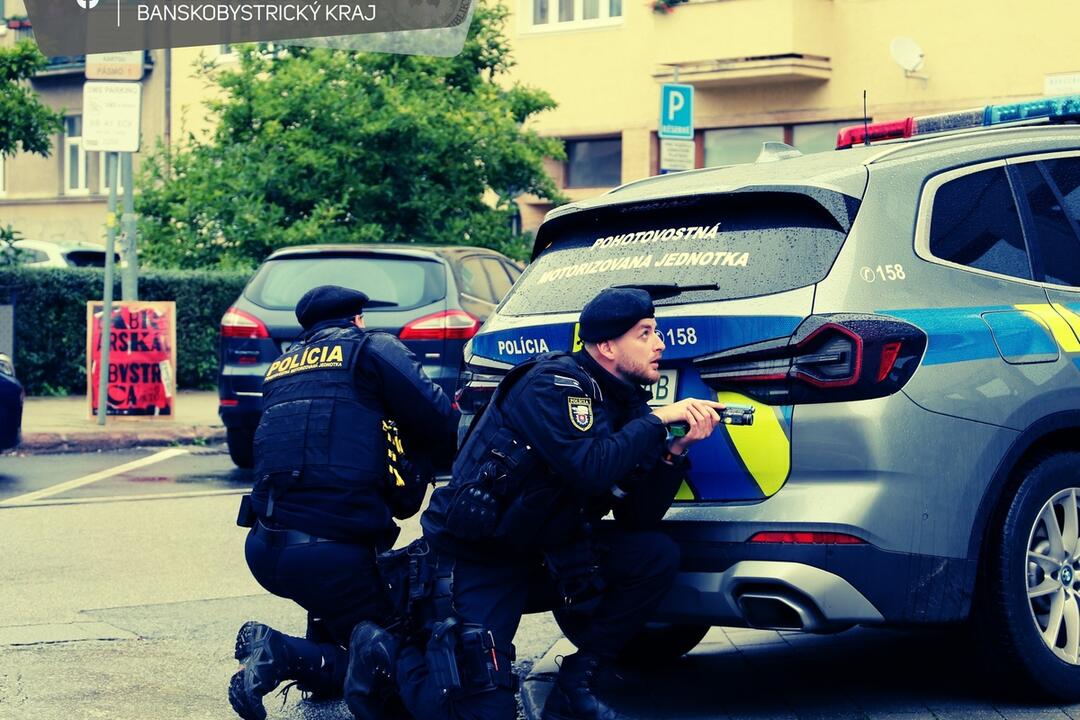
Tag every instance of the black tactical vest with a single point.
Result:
(503, 496)
(315, 436)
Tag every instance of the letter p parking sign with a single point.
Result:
(676, 112)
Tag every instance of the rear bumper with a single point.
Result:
(815, 588)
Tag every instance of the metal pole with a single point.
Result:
(129, 278)
(106, 310)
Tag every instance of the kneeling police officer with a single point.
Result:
(329, 475)
(565, 439)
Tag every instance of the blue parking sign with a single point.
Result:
(677, 112)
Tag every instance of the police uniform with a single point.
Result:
(562, 442)
(327, 487)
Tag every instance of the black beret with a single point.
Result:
(614, 311)
(329, 302)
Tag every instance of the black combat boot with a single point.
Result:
(264, 657)
(268, 658)
(369, 681)
(573, 697)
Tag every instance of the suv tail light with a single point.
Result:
(478, 382)
(239, 324)
(447, 325)
(829, 358)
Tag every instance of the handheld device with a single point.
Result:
(731, 415)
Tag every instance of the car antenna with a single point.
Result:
(865, 121)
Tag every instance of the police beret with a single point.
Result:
(614, 311)
(329, 302)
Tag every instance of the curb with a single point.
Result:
(107, 439)
(536, 687)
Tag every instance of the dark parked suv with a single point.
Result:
(433, 298)
(905, 319)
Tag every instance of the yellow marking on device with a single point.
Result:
(685, 493)
(1059, 327)
(1070, 317)
(764, 447)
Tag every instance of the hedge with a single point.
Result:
(50, 321)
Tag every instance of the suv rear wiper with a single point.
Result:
(380, 304)
(667, 290)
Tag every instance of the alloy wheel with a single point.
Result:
(1053, 575)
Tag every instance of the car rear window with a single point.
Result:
(747, 244)
(407, 282)
(87, 258)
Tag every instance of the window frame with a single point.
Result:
(73, 141)
(103, 189)
(926, 207)
(1026, 218)
(605, 20)
(567, 175)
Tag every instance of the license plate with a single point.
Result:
(663, 390)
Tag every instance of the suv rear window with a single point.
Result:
(407, 282)
(748, 244)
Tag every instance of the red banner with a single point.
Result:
(142, 358)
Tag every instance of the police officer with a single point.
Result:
(328, 478)
(565, 439)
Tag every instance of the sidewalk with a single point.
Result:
(63, 424)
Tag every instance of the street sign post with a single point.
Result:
(676, 155)
(111, 113)
(115, 66)
(676, 112)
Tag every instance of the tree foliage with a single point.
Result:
(25, 124)
(318, 145)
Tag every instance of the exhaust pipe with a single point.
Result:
(780, 609)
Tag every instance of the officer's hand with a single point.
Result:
(706, 421)
(681, 411)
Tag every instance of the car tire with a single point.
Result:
(241, 443)
(1027, 609)
(655, 644)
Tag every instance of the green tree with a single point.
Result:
(25, 124)
(318, 145)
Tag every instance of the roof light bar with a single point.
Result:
(1055, 109)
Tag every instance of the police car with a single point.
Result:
(11, 404)
(904, 316)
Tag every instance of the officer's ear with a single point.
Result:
(358, 321)
(605, 349)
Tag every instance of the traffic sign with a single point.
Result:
(676, 154)
(676, 112)
(115, 66)
(111, 113)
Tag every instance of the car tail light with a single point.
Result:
(805, 538)
(829, 358)
(448, 325)
(228, 402)
(239, 324)
(478, 382)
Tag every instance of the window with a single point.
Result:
(474, 281)
(74, 157)
(730, 146)
(593, 163)
(500, 281)
(559, 14)
(103, 176)
(1052, 189)
(975, 223)
(817, 137)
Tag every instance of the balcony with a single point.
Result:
(716, 43)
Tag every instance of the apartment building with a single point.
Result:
(786, 70)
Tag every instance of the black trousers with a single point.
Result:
(338, 583)
(638, 567)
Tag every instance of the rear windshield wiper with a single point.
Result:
(667, 290)
(380, 304)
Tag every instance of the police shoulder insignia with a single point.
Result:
(581, 414)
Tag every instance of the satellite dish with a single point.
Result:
(907, 53)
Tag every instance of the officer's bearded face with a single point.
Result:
(637, 353)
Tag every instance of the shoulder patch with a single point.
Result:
(581, 412)
(564, 381)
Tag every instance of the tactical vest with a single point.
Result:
(313, 424)
(502, 490)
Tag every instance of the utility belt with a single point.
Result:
(464, 658)
(280, 537)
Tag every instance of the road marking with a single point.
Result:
(87, 479)
(130, 498)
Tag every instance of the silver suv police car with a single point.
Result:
(905, 318)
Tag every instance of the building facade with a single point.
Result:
(785, 70)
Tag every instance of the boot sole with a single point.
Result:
(245, 706)
(245, 641)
